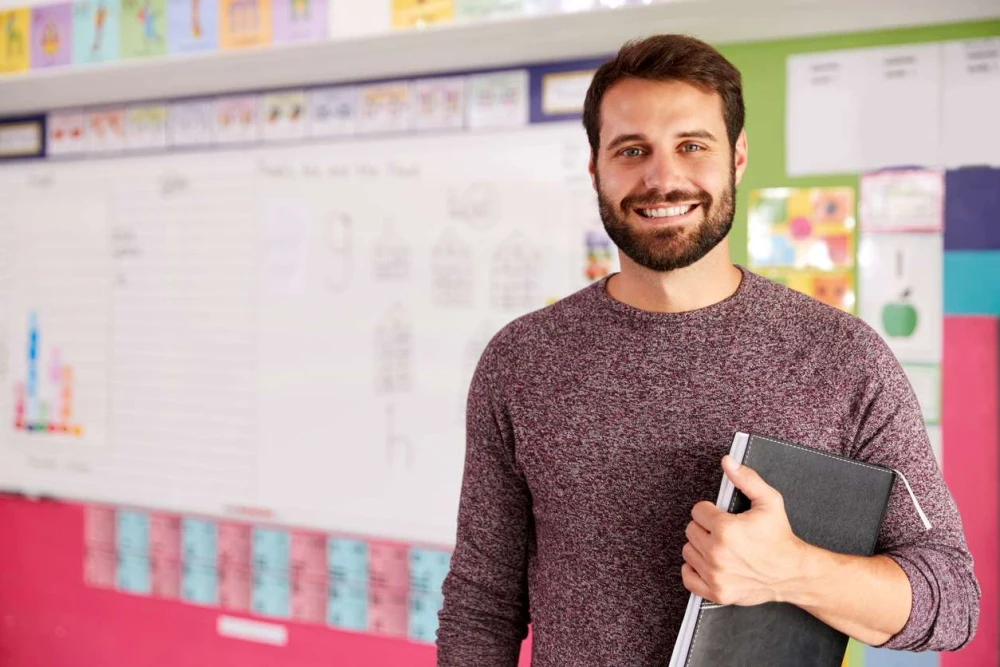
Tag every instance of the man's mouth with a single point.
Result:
(661, 211)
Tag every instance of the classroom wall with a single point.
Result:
(89, 624)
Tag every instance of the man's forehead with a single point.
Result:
(632, 100)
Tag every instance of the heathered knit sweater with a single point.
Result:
(594, 428)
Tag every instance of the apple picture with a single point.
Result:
(899, 318)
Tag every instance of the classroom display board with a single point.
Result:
(284, 329)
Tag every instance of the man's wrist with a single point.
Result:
(806, 567)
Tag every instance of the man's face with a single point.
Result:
(664, 172)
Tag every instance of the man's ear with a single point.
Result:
(740, 155)
(593, 172)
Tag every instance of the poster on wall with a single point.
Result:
(244, 23)
(902, 299)
(15, 54)
(192, 25)
(498, 99)
(106, 129)
(146, 127)
(805, 238)
(191, 124)
(383, 108)
(438, 104)
(51, 36)
(300, 20)
(418, 13)
(237, 120)
(96, 31)
(332, 111)
(67, 133)
(284, 116)
(143, 28)
(908, 200)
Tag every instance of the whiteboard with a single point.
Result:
(286, 329)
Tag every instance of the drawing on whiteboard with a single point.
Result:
(515, 275)
(125, 246)
(474, 205)
(43, 400)
(452, 272)
(337, 236)
(394, 353)
(398, 447)
(391, 256)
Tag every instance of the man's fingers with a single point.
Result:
(692, 582)
(706, 514)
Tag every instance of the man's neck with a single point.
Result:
(708, 281)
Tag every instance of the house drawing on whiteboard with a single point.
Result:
(514, 283)
(452, 274)
(394, 353)
(391, 256)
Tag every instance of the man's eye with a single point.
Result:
(691, 148)
(632, 152)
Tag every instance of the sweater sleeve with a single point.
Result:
(485, 612)
(937, 562)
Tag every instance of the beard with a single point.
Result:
(673, 247)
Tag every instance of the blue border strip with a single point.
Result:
(972, 282)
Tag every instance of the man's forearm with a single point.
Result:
(867, 598)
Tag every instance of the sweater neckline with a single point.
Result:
(623, 311)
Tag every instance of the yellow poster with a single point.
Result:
(417, 13)
(805, 238)
(244, 23)
(15, 40)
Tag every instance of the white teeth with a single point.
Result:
(666, 212)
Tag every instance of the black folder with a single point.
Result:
(832, 502)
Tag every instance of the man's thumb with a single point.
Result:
(749, 482)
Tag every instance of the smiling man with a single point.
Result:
(596, 426)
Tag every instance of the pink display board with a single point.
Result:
(51, 616)
(971, 441)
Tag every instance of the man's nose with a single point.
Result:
(663, 172)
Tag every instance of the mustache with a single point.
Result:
(654, 197)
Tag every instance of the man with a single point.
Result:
(596, 426)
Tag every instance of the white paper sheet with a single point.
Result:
(901, 278)
(901, 107)
(971, 132)
(823, 112)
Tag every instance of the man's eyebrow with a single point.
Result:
(624, 139)
(697, 134)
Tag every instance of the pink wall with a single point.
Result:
(970, 421)
(49, 618)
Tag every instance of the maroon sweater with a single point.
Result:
(594, 428)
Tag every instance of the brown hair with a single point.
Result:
(668, 58)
